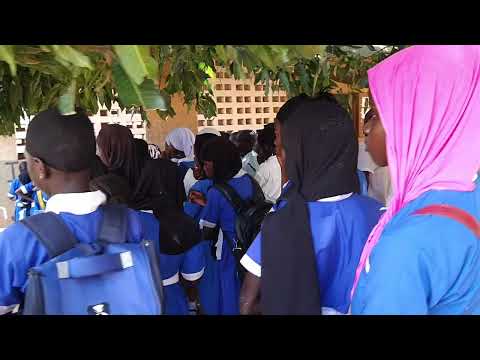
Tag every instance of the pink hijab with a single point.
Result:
(428, 99)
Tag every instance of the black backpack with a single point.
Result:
(250, 215)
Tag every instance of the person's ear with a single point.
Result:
(41, 168)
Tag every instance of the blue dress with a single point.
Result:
(220, 294)
(189, 265)
(209, 286)
(424, 264)
(340, 230)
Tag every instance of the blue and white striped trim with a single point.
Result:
(171, 280)
(193, 276)
(208, 224)
(251, 266)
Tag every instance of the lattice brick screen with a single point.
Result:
(114, 116)
(241, 105)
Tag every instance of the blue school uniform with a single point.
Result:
(194, 210)
(21, 250)
(22, 207)
(209, 285)
(219, 212)
(424, 264)
(189, 265)
(340, 227)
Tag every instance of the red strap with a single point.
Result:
(453, 213)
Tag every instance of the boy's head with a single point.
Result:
(60, 150)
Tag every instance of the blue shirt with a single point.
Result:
(424, 264)
(21, 250)
(340, 229)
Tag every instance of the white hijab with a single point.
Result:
(182, 139)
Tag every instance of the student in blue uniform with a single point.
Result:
(19, 192)
(222, 163)
(424, 263)
(179, 149)
(308, 249)
(59, 153)
(189, 265)
(209, 283)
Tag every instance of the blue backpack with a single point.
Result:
(107, 277)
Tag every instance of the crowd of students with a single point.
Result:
(387, 228)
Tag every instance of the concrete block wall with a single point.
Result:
(241, 105)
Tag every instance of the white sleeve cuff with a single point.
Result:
(251, 266)
(24, 189)
(10, 196)
(208, 224)
(194, 276)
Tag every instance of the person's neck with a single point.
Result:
(70, 183)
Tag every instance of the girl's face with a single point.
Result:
(376, 138)
(209, 169)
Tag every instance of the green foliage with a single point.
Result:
(144, 77)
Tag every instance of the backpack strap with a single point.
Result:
(113, 228)
(454, 213)
(231, 195)
(52, 232)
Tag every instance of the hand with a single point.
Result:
(197, 197)
(198, 173)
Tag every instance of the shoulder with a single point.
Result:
(17, 240)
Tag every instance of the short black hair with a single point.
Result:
(266, 136)
(63, 142)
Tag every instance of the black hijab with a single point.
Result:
(321, 160)
(225, 157)
(142, 153)
(118, 151)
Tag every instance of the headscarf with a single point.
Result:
(209, 130)
(225, 157)
(154, 151)
(321, 159)
(118, 151)
(182, 139)
(428, 101)
(141, 149)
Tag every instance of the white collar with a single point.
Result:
(475, 177)
(335, 198)
(76, 203)
(240, 174)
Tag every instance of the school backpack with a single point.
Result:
(107, 277)
(249, 217)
